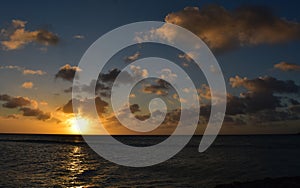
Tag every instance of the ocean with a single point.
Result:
(67, 161)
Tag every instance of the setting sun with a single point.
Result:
(78, 124)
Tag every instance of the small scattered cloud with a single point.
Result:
(284, 66)
(67, 72)
(27, 85)
(132, 57)
(23, 70)
(167, 74)
(132, 95)
(188, 56)
(78, 37)
(139, 72)
(11, 67)
(43, 103)
(17, 36)
(33, 72)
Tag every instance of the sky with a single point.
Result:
(255, 42)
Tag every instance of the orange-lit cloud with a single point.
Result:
(33, 72)
(27, 85)
(284, 66)
(132, 57)
(78, 37)
(17, 36)
(23, 70)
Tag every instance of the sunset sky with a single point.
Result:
(255, 42)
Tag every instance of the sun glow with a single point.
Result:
(78, 124)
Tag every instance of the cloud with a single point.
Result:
(15, 102)
(160, 87)
(132, 95)
(33, 72)
(11, 67)
(78, 37)
(37, 113)
(262, 94)
(295, 109)
(139, 72)
(43, 103)
(188, 56)
(68, 90)
(27, 85)
(223, 29)
(86, 104)
(284, 66)
(17, 36)
(265, 84)
(105, 81)
(167, 74)
(68, 107)
(134, 108)
(110, 76)
(67, 72)
(23, 70)
(132, 57)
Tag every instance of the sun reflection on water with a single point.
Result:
(76, 167)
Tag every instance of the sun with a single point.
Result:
(78, 124)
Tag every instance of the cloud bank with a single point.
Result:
(224, 29)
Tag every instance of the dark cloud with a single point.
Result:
(105, 82)
(295, 109)
(235, 105)
(15, 102)
(142, 117)
(294, 102)
(134, 108)
(101, 88)
(16, 36)
(262, 94)
(67, 72)
(23, 104)
(68, 90)
(265, 84)
(284, 66)
(37, 113)
(46, 37)
(223, 29)
(101, 105)
(160, 87)
(110, 76)
(68, 108)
